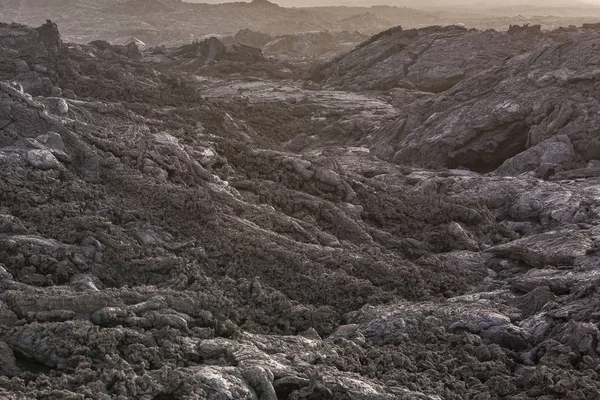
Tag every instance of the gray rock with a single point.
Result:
(82, 283)
(31, 82)
(533, 302)
(549, 248)
(10, 224)
(42, 69)
(62, 106)
(53, 141)
(557, 151)
(557, 281)
(7, 316)
(55, 91)
(262, 381)
(8, 363)
(4, 274)
(477, 122)
(21, 66)
(69, 94)
(42, 159)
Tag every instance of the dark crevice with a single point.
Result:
(27, 363)
(164, 396)
(484, 162)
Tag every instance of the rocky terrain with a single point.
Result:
(310, 46)
(173, 22)
(418, 220)
(177, 22)
(508, 102)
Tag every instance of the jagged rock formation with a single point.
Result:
(211, 54)
(157, 242)
(311, 46)
(511, 102)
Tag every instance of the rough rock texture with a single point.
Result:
(513, 102)
(157, 242)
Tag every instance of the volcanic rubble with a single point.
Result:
(418, 220)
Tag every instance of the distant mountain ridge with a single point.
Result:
(175, 22)
(414, 3)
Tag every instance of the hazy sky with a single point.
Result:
(420, 3)
(492, 3)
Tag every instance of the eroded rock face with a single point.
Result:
(514, 102)
(158, 242)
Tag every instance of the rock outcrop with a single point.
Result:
(486, 101)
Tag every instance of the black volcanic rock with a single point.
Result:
(432, 59)
(484, 101)
(158, 241)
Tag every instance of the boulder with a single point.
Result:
(42, 159)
